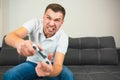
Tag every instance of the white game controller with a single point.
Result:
(44, 58)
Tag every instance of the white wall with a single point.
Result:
(0, 21)
(4, 19)
(83, 18)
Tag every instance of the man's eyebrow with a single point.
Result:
(47, 15)
(58, 19)
(51, 17)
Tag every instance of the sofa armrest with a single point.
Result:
(0, 49)
(9, 55)
(118, 51)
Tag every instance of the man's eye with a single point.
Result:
(57, 20)
(47, 17)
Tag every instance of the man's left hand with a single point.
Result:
(44, 69)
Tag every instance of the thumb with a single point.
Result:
(50, 56)
(40, 47)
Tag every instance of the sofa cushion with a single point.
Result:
(72, 57)
(108, 56)
(92, 50)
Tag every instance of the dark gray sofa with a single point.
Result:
(89, 58)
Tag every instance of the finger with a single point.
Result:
(42, 73)
(26, 51)
(30, 50)
(46, 67)
(29, 47)
(50, 68)
(39, 70)
(50, 56)
(40, 47)
(39, 64)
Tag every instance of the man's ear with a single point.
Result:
(62, 21)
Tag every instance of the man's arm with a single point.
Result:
(58, 64)
(15, 39)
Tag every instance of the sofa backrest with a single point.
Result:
(84, 50)
(91, 50)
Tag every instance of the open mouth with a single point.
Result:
(51, 29)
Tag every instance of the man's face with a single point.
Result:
(52, 21)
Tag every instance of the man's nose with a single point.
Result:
(51, 23)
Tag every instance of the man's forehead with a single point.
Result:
(52, 14)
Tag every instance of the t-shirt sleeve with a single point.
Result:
(29, 25)
(62, 44)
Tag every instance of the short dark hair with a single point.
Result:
(56, 8)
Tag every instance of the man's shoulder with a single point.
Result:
(37, 20)
(63, 34)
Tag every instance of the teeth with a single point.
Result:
(50, 29)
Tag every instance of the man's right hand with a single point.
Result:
(25, 48)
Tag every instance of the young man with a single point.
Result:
(47, 34)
